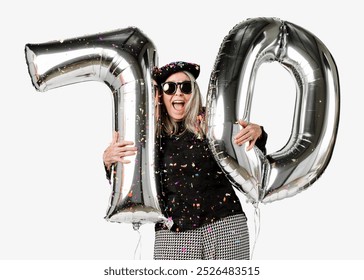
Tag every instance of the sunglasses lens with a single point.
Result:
(169, 88)
(186, 87)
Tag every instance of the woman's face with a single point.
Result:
(176, 103)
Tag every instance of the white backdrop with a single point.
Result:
(53, 191)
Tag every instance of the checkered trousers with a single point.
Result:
(225, 239)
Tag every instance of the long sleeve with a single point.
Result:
(108, 173)
(262, 141)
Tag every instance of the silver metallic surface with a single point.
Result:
(298, 164)
(123, 60)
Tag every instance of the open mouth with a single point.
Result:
(178, 105)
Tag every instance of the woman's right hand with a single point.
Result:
(117, 151)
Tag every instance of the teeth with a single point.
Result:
(178, 105)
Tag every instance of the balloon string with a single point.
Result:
(256, 226)
(138, 246)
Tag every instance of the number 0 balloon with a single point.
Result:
(316, 116)
(123, 60)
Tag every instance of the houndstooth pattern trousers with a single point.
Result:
(225, 239)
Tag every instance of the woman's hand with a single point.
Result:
(117, 151)
(249, 133)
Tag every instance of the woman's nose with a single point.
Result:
(178, 92)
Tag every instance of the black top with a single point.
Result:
(195, 191)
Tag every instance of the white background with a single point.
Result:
(53, 191)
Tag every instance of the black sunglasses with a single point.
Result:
(171, 87)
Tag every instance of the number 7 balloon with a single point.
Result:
(123, 60)
(298, 164)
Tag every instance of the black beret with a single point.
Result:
(161, 74)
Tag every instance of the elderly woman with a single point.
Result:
(205, 219)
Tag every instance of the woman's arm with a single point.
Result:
(262, 141)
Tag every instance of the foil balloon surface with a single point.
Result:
(298, 164)
(122, 59)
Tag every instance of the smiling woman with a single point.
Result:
(177, 93)
(204, 217)
(181, 97)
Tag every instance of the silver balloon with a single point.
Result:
(123, 60)
(298, 164)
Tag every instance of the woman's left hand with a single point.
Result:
(249, 133)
